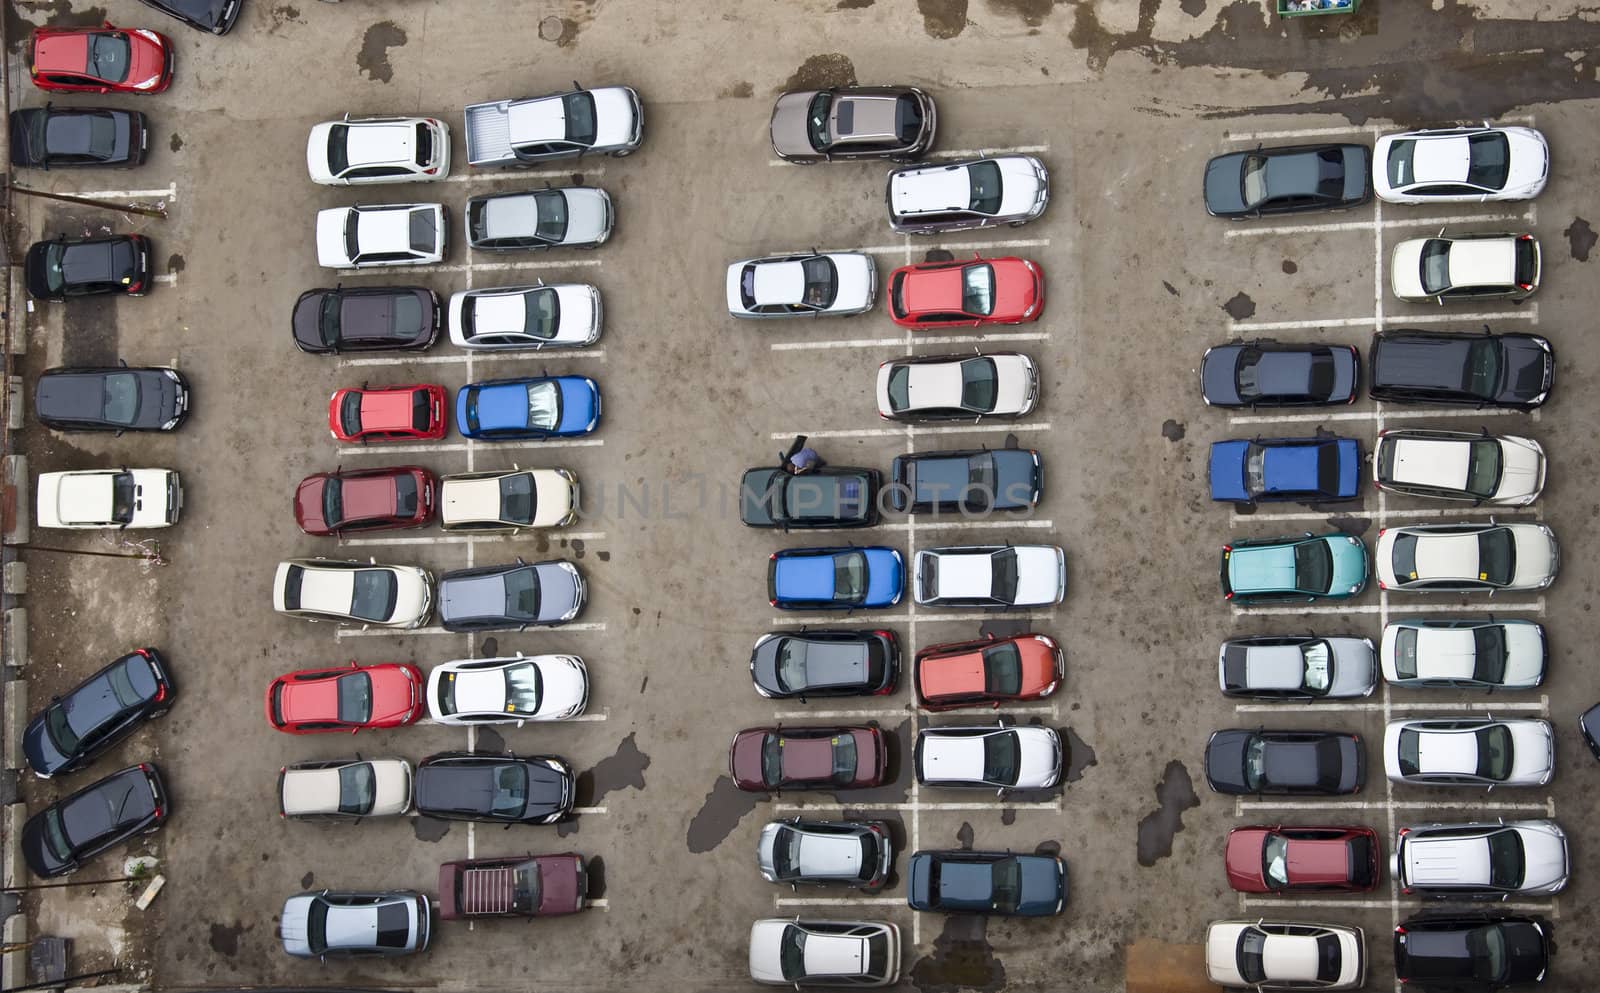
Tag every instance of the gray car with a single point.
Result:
(571, 217)
(854, 122)
(854, 853)
(1298, 667)
(977, 193)
(516, 596)
(344, 924)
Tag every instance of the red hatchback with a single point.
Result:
(988, 672)
(387, 413)
(767, 760)
(311, 701)
(1283, 859)
(100, 60)
(966, 294)
(365, 500)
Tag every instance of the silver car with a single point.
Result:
(1526, 858)
(1471, 751)
(511, 597)
(570, 217)
(978, 193)
(335, 924)
(854, 853)
(1505, 470)
(1297, 667)
(853, 122)
(562, 315)
(1482, 654)
(809, 284)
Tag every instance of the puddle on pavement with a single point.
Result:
(1175, 794)
(962, 959)
(429, 828)
(1240, 307)
(725, 806)
(620, 770)
(1580, 239)
(597, 877)
(490, 742)
(964, 837)
(1079, 756)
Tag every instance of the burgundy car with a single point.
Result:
(519, 886)
(1283, 859)
(764, 760)
(399, 496)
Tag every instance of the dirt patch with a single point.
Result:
(943, 19)
(623, 769)
(1580, 239)
(175, 262)
(1194, 8)
(1289, 267)
(852, 4)
(964, 837)
(373, 59)
(225, 938)
(823, 72)
(738, 91)
(1170, 288)
(176, 143)
(1350, 525)
(429, 829)
(1174, 794)
(561, 31)
(1152, 966)
(1032, 12)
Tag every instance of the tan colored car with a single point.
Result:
(345, 789)
(854, 122)
(508, 501)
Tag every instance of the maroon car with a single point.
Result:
(518, 886)
(764, 760)
(400, 496)
(1283, 859)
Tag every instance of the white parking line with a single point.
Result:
(1418, 604)
(1528, 313)
(1003, 337)
(1375, 415)
(996, 428)
(588, 810)
(1295, 133)
(169, 278)
(1421, 605)
(959, 153)
(1320, 707)
(1467, 509)
(600, 904)
(170, 193)
(877, 713)
(398, 272)
(522, 355)
(1548, 807)
(1403, 221)
(455, 446)
(800, 620)
(525, 174)
(467, 539)
(379, 632)
(991, 805)
(954, 521)
(961, 246)
(1246, 900)
(839, 901)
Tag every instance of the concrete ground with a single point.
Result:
(1124, 103)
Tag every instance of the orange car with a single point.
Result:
(988, 672)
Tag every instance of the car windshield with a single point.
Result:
(579, 107)
(1006, 886)
(1483, 368)
(979, 384)
(772, 760)
(1401, 155)
(850, 576)
(356, 788)
(328, 324)
(899, 383)
(817, 120)
(350, 413)
(1405, 653)
(522, 595)
(524, 686)
(1494, 752)
(792, 665)
(355, 698)
(844, 758)
(109, 56)
(60, 727)
(1435, 265)
(510, 790)
(338, 148)
(332, 501)
(1246, 375)
(1487, 946)
(1002, 754)
(1252, 955)
(1483, 468)
(317, 926)
(1003, 575)
(785, 851)
(544, 405)
(792, 953)
(1275, 861)
(1255, 763)
(1405, 557)
(1497, 556)
(1313, 566)
(525, 892)
(124, 497)
(1505, 859)
(376, 591)
(1318, 662)
(54, 278)
(121, 398)
(1408, 750)
(1491, 160)
(1489, 653)
(822, 284)
(1002, 670)
(552, 216)
(405, 495)
(985, 179)
(543, 313)
(1255, 180)
(516, 498)
(977, 288)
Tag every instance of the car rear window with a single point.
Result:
(1527, 261)
(985, 179)
(350, 413)
(355, 698)
(1405, 557)
(844, 758)
(1405, 653)
(1313, 566)
(1328, 964)
(421, 411)
(1489, 653)
(977, 288)
(356, 789)
(394, 926)
(424, 146)
(1435, 265)
(375, 594)
(1490, 160)
(1410, 745)
(109, 56)
(1400, 157)
(338, 149)
(517, 498)
(1252, 955)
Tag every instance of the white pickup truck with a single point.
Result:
(110, 498)
(608, 120)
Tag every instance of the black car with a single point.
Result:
(61, 837)
(1288, 180)
(75, 267)
(215, 16)
(1000, 883)
(372, 318)
(1264, 373)
(1471, 951)
(1589, 724)
(107, 707)
(1322, 763)
(462, 786)
(825, 663)
(827, 497)
(966, 481)
(117, 399)
(1488, 370)
(50, 137)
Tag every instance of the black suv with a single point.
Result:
(117, 399)
(372, 318)
(104, 709)
(829, 497)
(462, 786)
(1488, 370)
(966, 481)
(1264, 373)
(75, 267)
(50, 137)
(59, 838)
(1471, 951)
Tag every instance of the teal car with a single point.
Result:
(1294, 568)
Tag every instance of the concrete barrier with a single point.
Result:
(16, 578)
(16, 721)
(14, 964)
(16, 499)
(14, 631)
(14, 401)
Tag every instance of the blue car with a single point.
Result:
(1304, 568)
(520, 409)
(1308, 469)
(835, 578)
(963, 882)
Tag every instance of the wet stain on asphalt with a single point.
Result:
(1350, 525)
(898, 784)
(1170, 288)
(1032, 12)
(1172, 430)
(1244, 509)
(307, 880)
(725, 806)
(90, 333)
(822, 72)
(962, 959)
(1175, 794)
(1002, 628)
(57, 14)
(176, 262)
(1240, 307)
(1580, 239)
(603, 556)
(939, 255)
(1049, 849)
(623, 769)
(852, 4)
(964, 837)
(373, 59)
(429, 829)
(1079, 756)
(596, 867)
(490, 647)
(1008, 816)
(225, 939)
(1289, 267)
(490, 742)
(578, 547)
(743, 88)
(943, 18)
(1194, 8)
(176, 143)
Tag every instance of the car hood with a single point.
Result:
(760, 491)
(330, 237)
(1525, 654)
(1226, 470)
(764, 662)
(615, 121)
(580, 313)
(1040, 575)
(547, 791)
(1042, 884)
(1405, 269)
(1528, 370)
(42, 754)
(292, 924)
(1020, 184)
(1544, 859)
(1225, 761)
(744, 759)
(1530, 160)
(391, 787)
(789, 128)
(1017, 477)
(1039, 766)
(1521, 470)
(885, 577)
(566, 685)
(1354, 667)
(588, 215)
(857, 281)
(1527, 953)
(1243, 860)
(558, 590)
(1014, 386)
(580, 404)
(1349, 563)
(1224, 189)
(555, 497)
(308, 508)
(412, 599)
(1533, 751)
(1217, 374)
(766, 951)
(1538, 557)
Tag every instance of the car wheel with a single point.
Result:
(622, 153)
(1017, 224)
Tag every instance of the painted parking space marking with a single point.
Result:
(960, 246)
(1002, 337)
(1422, 606)
(467, 539)
(1349, 129)
(1465, 509)
(522, 355)
(588, 811)
(1547, 807)
(1246, 900)
(1006, 428)
(967, 523)
(431, 630)
(994, 806)
(170, 193)
(396, 272)
(1384, 411)
(1526, 216)
(456, 446)
(1377, 706)
(954, 153)
(1527, 313)
(840, 901)
(525, 174)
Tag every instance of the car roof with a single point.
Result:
(1483, 261)
(828, 854)
(780, 283)
(479, 691)
(385, 228)
(1432, 461)
(387, 409)
(963, 573)
(370, 143)
(470, 499)
(1439, 158)
(1291, 958)
(62, 51)
(1447, 555)
(1448, 860)
(931, 189)
(540, 119)
(324, 589)
(310, 791)
(1274, 667)
(85, 496)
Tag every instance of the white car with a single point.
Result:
(1465, 268)
(396, 596)
(992, 756)
(991, 576)
(1285, 955)
(381, 235)
(789, 951)
(1483, 654)
(344, 789)
(957, 387)
(829, 284)
(1467, 558)
(980, 193)
(1501, 859)
(378, 150)
(508, 690)
(1460, 165)
(561, 315)
(1297, 667)
(1470, 751)
(508, 501)
(1505, 470)
(109, 498)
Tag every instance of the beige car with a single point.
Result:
(345, 789)
(1466, 268)
(508, 501)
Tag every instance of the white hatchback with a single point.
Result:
(1465, 268)
(371, 150)
(508, 501)
(828, 284)
(561, 315)
(381, 235)
(1506, 470)
(991, 576)
(1460, 165)
(508, 690)
(787, 951)
(1471, 751)
(992, 756)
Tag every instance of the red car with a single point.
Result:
(1282, 859)
(385, 695)
(400, 496)
(767, 760)
(966, 294)
(387, 413)
(988, 672)
(100, 60)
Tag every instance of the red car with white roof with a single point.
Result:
(387, 413)
(349, 698)
(1291, 858)
(988, 672)
(393, 497)
(966, 293)
(106, 59)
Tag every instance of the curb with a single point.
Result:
(14, 499)
(16, 711)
